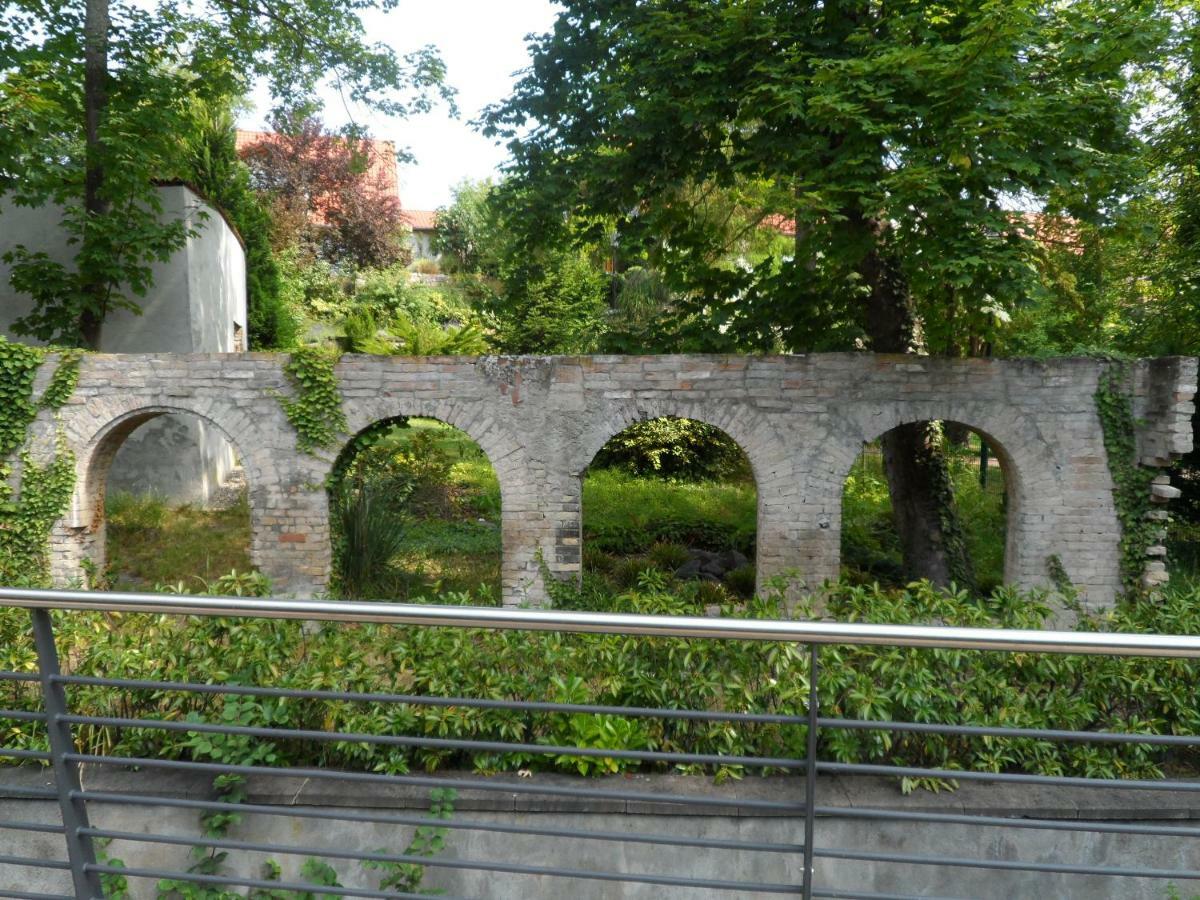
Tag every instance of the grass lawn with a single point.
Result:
(152, 543)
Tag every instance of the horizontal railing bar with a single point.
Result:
(43, 755)
(242, 881)
(715, 759)
(1077, 825)
(1017, 777)
(445, 863)
(15, 790)
(419, 700)
(510, 787)
(22, 715)
(41, 827)
(21, 895)
(34, 863)
(1041, 734)
(18, 676)
(1005, 864)
(810, 632)
(454, 823)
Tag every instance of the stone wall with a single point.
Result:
(802, 421)
(838, 831)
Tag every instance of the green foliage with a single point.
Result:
(399, 334)
(629, 515)
(397, 501)
(63, 381)
(1131, 481)
(870, 545)
(33, 495)
(369, 535)
(1148, 695)
(466, 236)
(670, 447)
(210, 164)
(428, 840)
(151, 543)
(553, 301)
(316, 410)
(888, 133)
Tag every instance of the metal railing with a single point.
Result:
(794, 819)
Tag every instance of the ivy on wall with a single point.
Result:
(1131, 481)
(316, 410)
(29, 509)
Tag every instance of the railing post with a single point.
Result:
(810, 772)
(80, 852)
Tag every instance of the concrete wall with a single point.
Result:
(196, 304)
(802, 421)
(838, 831)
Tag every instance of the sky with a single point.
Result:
(483, 44)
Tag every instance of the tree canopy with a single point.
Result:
(898, 137)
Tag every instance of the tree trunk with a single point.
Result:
(96, 207)
(918, 477)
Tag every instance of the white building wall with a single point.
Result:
(197, 304)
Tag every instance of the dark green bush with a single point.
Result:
(976, 687)
(670, 447)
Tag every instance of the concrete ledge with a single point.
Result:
(837, 791)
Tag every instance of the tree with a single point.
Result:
(894, 136)
(93, 100)
(210, 164)
(327, 193)
(466, 236)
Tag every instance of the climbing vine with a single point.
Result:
(63, 381)
(1131, 481)
(316, 410)
(28, 510)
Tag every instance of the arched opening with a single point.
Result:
(673, 500)
(169, 503)
(980, 479)
(414, 507)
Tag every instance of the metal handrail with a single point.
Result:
(807, 632)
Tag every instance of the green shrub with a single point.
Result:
(674, 448)
(371, 534)
(669, 557)
(967, 687)
(742, 580)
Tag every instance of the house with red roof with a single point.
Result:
(382, 178)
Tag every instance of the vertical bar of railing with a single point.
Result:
(80, 852)
(810, 773)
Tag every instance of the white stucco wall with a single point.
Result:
(196, 305)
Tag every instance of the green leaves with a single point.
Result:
(29, 510)
(316, 410)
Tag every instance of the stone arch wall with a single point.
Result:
(1030, 461)
(750, 429)
(800, 419)
(519, 568)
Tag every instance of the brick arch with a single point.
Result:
(755, 435)
(507, 456)
(1031, 463)
(95, 435)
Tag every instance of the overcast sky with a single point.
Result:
(483, 44)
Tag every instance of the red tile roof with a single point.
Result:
(420, 219)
